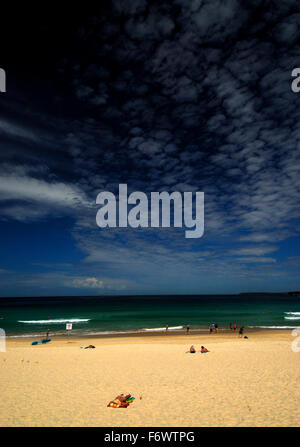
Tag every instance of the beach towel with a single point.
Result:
(41, 342)
(117, 403)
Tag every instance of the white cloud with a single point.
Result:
(37, 197)
(253, 251)
(86, 283)
(257, 260)
(15, 130)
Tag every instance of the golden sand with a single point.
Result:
(240, 382)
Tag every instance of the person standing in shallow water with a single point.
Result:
(234, 326)
(187, 327)
(47, 333)
(167, 327)
(230, 326)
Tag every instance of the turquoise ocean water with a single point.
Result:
(98, 315)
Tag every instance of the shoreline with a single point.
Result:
(157, 335)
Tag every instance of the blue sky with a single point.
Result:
(193, 97)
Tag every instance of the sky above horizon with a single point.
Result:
(183, 96)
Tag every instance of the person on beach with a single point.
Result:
(192, 350)
(120, 401)
(234, 326)
(230, 326)
(216, 327)
(167, 328)
(241, 331)
(187, 327)
(204, 350)
(211, 327)
(47, 333)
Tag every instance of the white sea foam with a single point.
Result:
(292, 318)
(135, 331)
(25, 336)
(292, 313)
(56, 321)
(174, 328)
(109, 332)
(40, 335)
(276, 327)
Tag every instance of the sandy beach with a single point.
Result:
(240, 382)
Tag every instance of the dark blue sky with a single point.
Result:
(162, 96)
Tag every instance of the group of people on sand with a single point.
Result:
(214, 328)
(233, 327)
(202, 351)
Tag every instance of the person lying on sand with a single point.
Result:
(203, 350)
(90, 347)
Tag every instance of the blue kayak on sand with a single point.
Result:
(42, 341)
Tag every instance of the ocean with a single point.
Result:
(22, 317)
